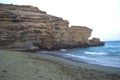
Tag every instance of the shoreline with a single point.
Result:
(74, 63)
(16, 65)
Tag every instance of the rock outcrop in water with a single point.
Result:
(96, 42)
(28, 28)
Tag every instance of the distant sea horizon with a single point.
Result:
(109, 40)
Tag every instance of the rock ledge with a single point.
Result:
(28, 28)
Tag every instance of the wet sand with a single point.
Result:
(28, 66)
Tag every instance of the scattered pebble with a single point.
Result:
(40, 76)
(1, 75)
(4, 71)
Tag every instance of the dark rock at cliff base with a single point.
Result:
(25, 27)
(96, 42)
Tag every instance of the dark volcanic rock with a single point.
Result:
(28, 28)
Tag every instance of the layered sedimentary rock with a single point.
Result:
(28, 28)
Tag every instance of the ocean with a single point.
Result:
(108, 55)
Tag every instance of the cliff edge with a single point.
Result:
(28, 28)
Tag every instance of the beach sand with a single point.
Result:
(28, 66)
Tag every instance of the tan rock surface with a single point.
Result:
(27, 24)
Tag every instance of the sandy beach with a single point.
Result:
(28, 66)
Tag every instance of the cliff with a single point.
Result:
(28, 28)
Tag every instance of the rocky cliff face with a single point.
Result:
(27, 27)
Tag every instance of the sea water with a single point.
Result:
(108, 55)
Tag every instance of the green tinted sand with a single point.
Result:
(21, 66)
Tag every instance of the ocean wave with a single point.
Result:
(115, 46)
(109, 61)
(76, 56)
(83, 58)
(96, 53)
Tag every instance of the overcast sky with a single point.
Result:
(103, 16)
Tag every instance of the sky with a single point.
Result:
(103, 16)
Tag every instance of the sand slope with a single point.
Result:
(21, 66)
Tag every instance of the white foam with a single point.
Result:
(76, 56)
(96, 53)
(63, 50)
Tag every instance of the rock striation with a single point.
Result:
(28, 28)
